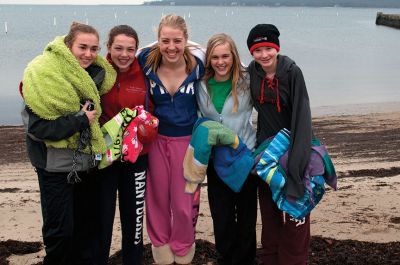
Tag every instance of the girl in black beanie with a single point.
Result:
(280, 96)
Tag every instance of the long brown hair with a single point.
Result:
(154, 58)
(77, 28)
(237, 70)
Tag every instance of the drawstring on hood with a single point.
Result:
(295, 114)
(272, 83)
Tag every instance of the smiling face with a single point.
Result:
(122, 51)
(172, 44)
(266, 57)
(221, 60)
(85, 48)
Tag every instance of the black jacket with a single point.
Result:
(38, 130)
(294, 115)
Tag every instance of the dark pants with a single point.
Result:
(68, 218)
(234, 218)
(285, 240)
(129, 180)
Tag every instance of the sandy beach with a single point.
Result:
(366, 207)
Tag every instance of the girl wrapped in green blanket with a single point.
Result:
(63, 137)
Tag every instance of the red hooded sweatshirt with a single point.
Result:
(128, 91)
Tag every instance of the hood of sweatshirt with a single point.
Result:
(195, 75)
(285, 64)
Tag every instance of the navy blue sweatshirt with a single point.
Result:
(178, 113)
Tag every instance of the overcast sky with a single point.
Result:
(74, 2)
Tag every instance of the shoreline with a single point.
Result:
(355, 109)
(317, 111)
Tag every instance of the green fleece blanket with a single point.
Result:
(54, 84)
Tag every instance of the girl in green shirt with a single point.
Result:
(224, 96)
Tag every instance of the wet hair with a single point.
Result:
(125, 30)
(77, 28)
(176, 22)
(237, 70)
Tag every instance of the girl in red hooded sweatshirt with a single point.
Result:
(127, 178)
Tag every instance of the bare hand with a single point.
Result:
(91, 115)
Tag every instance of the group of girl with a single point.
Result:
(70, 91)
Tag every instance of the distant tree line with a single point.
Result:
(316, 3)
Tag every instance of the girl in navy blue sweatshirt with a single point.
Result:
(173, 73)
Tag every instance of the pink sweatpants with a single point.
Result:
(171, 213)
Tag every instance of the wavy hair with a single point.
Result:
(236, 71)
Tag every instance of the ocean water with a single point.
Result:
(345, 58)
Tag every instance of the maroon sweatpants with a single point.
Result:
(285, 240)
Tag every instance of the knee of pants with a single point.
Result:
(58, 230)
(299, 258)
(57, 243)
(183, 214)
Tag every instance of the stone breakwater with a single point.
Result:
(390, 20)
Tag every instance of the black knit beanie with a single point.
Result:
(263, 35)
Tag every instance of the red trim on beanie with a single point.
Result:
(264, 44)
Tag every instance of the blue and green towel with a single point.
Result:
(233, 162)
(272, 168)
(268, 167)
(232, 158)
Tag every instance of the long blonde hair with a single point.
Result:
(237, 70)
(154, 58)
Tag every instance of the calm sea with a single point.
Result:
(345, 57)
